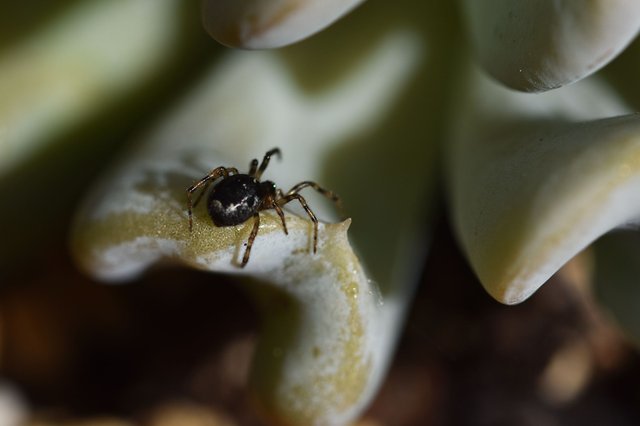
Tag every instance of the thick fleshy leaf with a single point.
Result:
(328, 332)
(617, 282)
(535, 46)
(83, 60)
(535, 179)
(262, 24)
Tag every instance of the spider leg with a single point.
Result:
(205, 181)
(252, 237)
(253, 167)
(290, 197)
(265, 161)
(327, 193)
(278, 210)
(230, 170)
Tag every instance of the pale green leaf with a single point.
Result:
(324, 350)
(260, 24)
(539, 45)
(535, 179)
(617, 278)
(70, 69)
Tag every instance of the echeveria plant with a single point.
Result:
(389, 107)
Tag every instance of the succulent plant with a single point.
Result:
(386, 106)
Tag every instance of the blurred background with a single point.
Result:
(174, 347)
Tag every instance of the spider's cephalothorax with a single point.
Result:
(237, 197)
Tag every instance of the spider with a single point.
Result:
(237, 197)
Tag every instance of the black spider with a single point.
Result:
(237, 197)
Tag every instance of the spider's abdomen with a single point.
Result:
(234, 200)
